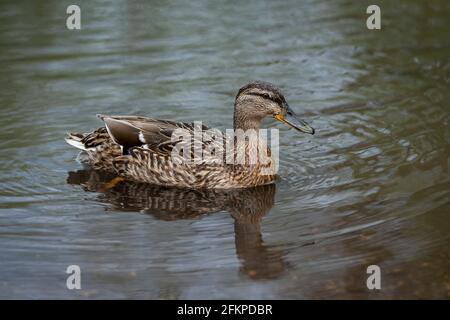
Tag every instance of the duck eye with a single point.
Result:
(272, 98)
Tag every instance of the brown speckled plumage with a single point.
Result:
(100, 149)
(140, 149)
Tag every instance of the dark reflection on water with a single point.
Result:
(371, 187)
(246, 206)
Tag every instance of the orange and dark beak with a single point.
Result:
(291, 119)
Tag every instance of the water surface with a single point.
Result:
(371, 187)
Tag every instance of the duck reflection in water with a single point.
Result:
(246, 206)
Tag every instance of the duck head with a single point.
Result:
(258, 100)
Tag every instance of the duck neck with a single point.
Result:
(245, 121)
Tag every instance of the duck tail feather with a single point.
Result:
(74, 139)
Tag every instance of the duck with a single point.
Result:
(155, 151)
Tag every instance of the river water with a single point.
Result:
(372, 187)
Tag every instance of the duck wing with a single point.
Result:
(159, 136)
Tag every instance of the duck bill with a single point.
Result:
(292, 120)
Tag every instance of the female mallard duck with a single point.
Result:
(142, 149)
